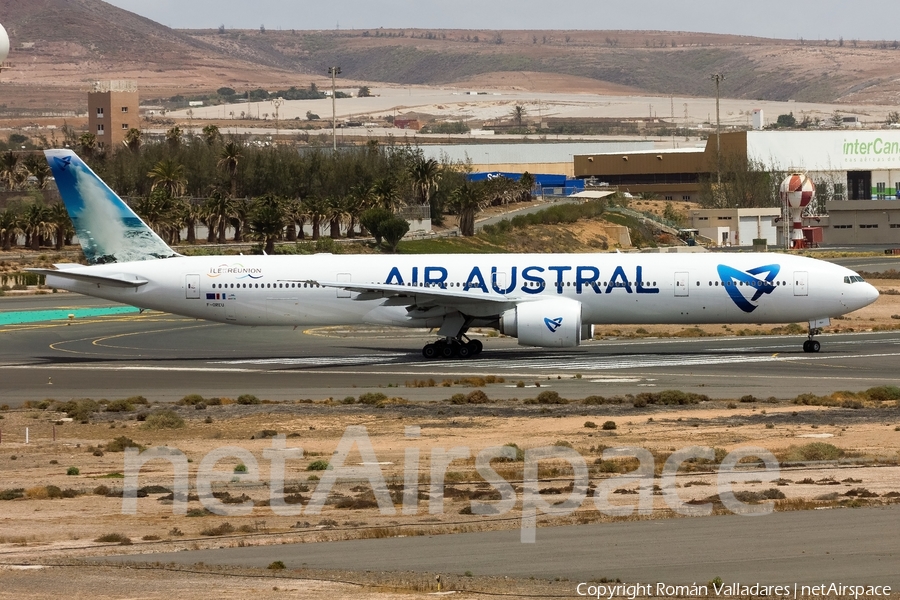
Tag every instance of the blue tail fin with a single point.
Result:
(107, 228)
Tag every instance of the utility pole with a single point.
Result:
(718, 78)
(334, 71)
(277, 102)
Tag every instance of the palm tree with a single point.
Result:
(10, 169)
(316, 208)
(10, 227)
(229, 158)
(467, 200)
(219, 209)
(160, 212)
(362, 197)
(292, 209)
(173, 137)
(37, 224)
(88, 143)
(240, 217)
(133, 139)
(36, 166)
(168, 175)
(385, 190)
(267, 221)
(526, 183)
(211, 134)
(62, 224)
(518, 114)
(190, 214)
(425, 175)
(335, 213)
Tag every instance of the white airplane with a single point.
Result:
(546, 300)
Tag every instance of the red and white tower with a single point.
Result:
(797, 191)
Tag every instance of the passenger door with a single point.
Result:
(800, 283)
(682, 284)
(192, 287)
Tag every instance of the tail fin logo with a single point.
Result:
(63, 162)
(734, 280)
(553, 324)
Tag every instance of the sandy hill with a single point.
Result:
(64, 44)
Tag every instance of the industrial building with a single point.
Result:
(856, 174)
(113, 109)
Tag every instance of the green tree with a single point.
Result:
(229, 159)
(467, 201)
(87, 141)
(267, 221)
(393, 230)
(211, 134)
(37, 224)
(168, 175)
(372, 219)
(218, 211)
(364, 92)
(10, 170)
(133, 139)
(173, 137)
(58, 216)
(518, 114)
(425, 175)
(10, 227)
(787, 120)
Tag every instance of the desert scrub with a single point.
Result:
(163, 419)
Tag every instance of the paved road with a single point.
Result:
(850, 546)
(164, 357)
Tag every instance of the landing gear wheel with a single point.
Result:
(464, 351)
(449, 350)
(814, 346)
(806, 346)
(475, 347)
(430, 351)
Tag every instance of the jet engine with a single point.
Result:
(546, 323)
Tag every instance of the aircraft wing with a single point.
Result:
(403, 295)
(114, 280)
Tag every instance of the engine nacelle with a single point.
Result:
(546, 323)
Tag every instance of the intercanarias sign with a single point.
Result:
(878, 146)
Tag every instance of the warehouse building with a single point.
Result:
(856, 174)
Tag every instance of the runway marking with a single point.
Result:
(94, 340)
(316, 360)
(32, 316)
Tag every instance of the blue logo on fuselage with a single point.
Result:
(553, 324)
(732, 279)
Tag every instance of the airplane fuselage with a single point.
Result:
(612, 288)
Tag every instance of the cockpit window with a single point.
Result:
(853, 279)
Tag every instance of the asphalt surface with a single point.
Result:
(164, 357)
(849, 546)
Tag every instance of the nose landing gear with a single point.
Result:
(811, 345)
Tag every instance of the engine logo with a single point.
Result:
(553, 324)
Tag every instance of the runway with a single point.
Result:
(164, 357)
(849, 546)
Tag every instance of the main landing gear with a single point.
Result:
(452, 347)
(812, 345)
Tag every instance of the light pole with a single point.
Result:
(277, 102)
(718, 78)
(334, 71)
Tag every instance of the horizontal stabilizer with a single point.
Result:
(122, 280)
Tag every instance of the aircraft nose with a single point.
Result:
(870, 294)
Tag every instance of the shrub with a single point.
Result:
(120, 406)
(317, 465)
(276, 566)
(473, 397)
(590, 425)
(222, 529)
(113, 538)
(73, 471)
(371, 398)
(120, 443)
(815, 451)
(883, 393)
(248, 399)
(520, 453)
(12, 494)
(101, 490)
(241, 468)
(749, 398)
(547, 397)
(191, 400)
(609, 425)
(164, 419)
(80, 410)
